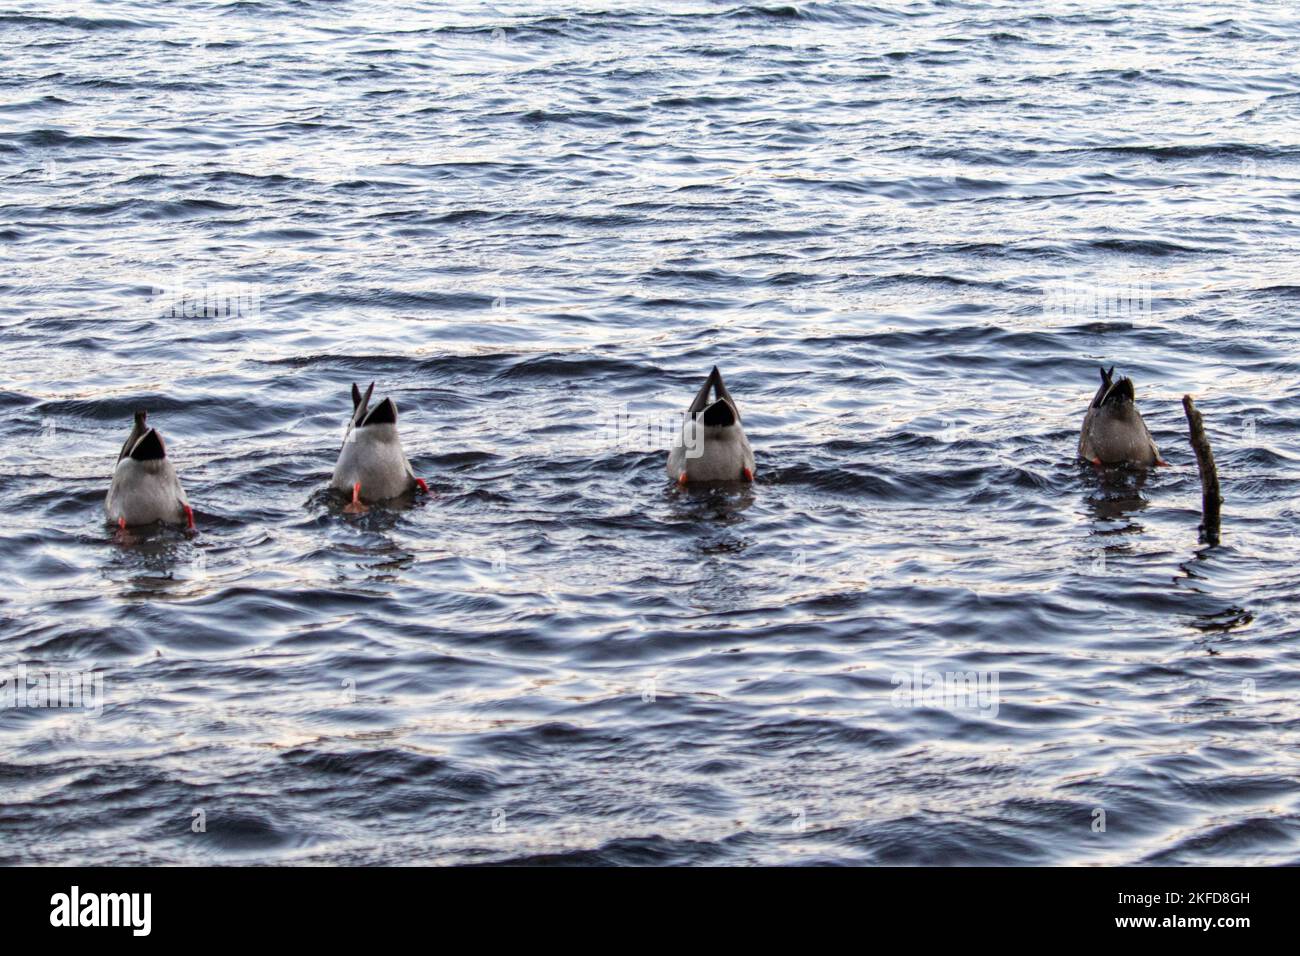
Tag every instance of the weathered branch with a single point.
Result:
(1211, 499)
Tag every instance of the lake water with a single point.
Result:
(908, 234)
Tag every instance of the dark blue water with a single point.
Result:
(907, 233)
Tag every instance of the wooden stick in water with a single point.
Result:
(1211, 499)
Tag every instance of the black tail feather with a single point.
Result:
(1107, 381)
(715, 385)
(720, 413)
(360, 402)
(137, 430)
(150, 447)
(385, 413)
(1120, 391)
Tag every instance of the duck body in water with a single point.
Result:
(145, 488)
(372, 465)
(1113, 430)
(712, 445)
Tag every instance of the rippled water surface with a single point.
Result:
(907, 233)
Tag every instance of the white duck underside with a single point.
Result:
(723, 454)
(373, 457)
(144, 492)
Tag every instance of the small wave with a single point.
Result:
(59, 138)
(88, 24)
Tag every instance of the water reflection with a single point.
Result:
(154, 560)
(723, 501)
(1115, 495)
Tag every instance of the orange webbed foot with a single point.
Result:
(355, 507)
